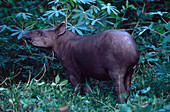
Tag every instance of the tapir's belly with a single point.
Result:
(100, 76)
(95, 72)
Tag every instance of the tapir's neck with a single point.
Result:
(63, 43)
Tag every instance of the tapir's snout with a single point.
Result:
(27, 38)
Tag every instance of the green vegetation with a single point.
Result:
(32, 79)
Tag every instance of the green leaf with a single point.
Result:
(5, 60)
(2, 89)
(72, 3)
(19, 36)
(2, 28)
(46, 61)
(23, 15)
(42, 83)
(140, 33)
(64, 82)
(158, 12)
(153, 59)
(110, 8)
(55, 12)
(127, 3)
(13, 34)
(10, 101)
(166, 39)
(132, 6)
(94, 8)
(54, 1)
(167, 25)
(77, 10)
(146, 90)
(79, 32)
(53, 84)
(167, 107)
(57, 79)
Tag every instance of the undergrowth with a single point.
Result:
(33, 79)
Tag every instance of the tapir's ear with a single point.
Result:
(61, 29)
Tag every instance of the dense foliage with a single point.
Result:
(33, 79)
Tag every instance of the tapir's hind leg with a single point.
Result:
(118, 82)
(127, 80)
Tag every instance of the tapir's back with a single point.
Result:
(111, 42)
(109, 48)
(121, 45)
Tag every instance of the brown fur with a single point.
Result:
(107, 55)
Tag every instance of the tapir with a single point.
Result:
(108, 55)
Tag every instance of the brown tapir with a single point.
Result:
(110, 54)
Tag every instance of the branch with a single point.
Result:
(11, 77)
(28, 81)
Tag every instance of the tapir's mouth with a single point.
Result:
(28, 39)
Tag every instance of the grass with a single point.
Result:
(42, 96)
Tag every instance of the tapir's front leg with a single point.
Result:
(75, 81)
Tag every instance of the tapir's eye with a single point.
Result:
(41, 33)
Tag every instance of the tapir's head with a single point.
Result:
(45, 37)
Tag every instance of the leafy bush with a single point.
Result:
(20, 61)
